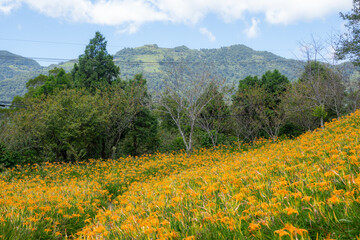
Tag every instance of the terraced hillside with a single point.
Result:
(232, 63)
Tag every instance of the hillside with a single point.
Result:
(14, 73)
(307, 188)
(12, 65)
(232, 63)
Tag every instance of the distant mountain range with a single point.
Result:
(232, 63)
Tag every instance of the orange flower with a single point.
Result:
(290, 211)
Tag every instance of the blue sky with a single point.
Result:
(60, 29)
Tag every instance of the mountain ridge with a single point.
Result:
(233, 63)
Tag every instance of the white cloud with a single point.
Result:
(6, 6)
(253, 30)
(130, 13)
(208, 34)
(129, 29)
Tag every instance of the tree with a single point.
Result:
(42, 85)
(124, 101)
(96, 69)
(140, 129)
(299, 107)
(275, 84)
(349, 43)
(327, 90)
(142, 135)
(246, 122)
(64, 126)
(353, 94)
(213, 119)
(257, 105)
(184, 98)
(325, 79)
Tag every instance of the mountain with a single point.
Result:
(12, 65)
(15, 71)
(232, 63)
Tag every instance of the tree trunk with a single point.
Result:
(322, 122)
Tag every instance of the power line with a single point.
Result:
(51, 42)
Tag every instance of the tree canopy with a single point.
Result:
(349, 44)
(96, 68)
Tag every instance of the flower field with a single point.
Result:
(307, 188)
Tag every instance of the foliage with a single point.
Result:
(275, 84)
(68, 117)
(96, 69)
(214, 118)
(299, 106)
(142, 136)
(42, 86)
(325, 89)
(348, 45)
(319, 111)
(258, 105)
(63, 126)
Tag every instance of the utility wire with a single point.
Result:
(51, 42)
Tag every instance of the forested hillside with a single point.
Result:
(15, 71)
(232, 63)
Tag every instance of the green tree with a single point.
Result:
(42, 85)
(349, 43)
(123, 102)
(142, 135)
(246, 123)
(257, 105)
(275, 84)
(64, 126)
(96, 68)
(299, 107)
(214, 116)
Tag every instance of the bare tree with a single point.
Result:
(353, 94)
(313, 76)
(184, 98)
(324, 78)
(298, 107)
(336, 83)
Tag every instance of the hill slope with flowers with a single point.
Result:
(307, 188)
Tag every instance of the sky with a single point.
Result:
(51, 31)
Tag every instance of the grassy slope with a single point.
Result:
(304, 188)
